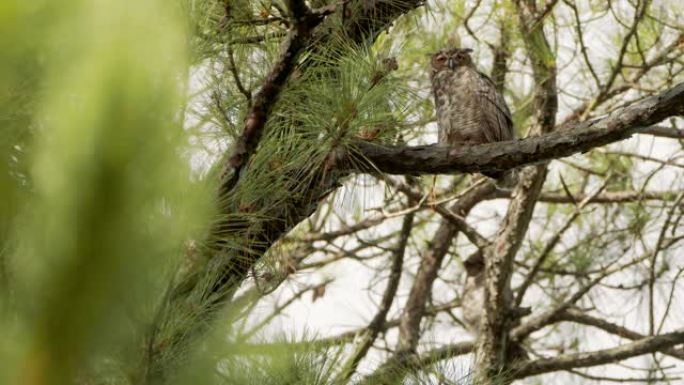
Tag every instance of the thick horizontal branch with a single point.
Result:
(609, 197)
(492, 157)
(600, 357)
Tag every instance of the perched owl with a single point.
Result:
(469, 108)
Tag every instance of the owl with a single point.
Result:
(469, 108)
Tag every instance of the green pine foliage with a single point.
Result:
(98, 204)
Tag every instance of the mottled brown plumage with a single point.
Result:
(469, 108)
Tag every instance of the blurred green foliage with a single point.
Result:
(91, 136)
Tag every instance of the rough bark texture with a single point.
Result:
(498, 314)
(600, 357)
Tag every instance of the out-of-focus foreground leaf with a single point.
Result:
(98, 86)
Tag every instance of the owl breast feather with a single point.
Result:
(466, 111)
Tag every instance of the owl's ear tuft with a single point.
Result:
(467, 50)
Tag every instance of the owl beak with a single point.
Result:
(450, 63)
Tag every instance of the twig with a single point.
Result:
(377, 324)
(551, 244)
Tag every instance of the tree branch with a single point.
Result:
(548, 317)
(546, 251)
(304, 21)
(607, 197)
(377, 324)
(205, 284)
(573, 315)
(501, 156)
(416, 362)
(580, 317)
(415, 308)
(600, 357)
(663, 131)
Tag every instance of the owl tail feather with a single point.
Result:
(516, 352)
(504, 180)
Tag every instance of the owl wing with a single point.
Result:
(495, 111)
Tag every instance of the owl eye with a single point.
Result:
(441, 58)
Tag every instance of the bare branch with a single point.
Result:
(548, 317)
(581, 317)
(638, 380)
(608, 197)
(583, 46)
(551, 244)
(663, 131)
(600, 357)
(415, 307)
(456, 213)
(377, 324)
(638, 17)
